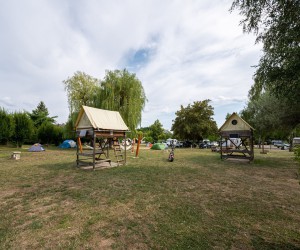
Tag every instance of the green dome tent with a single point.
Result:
(158, 146)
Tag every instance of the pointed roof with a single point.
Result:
(100, 119)
(235, 123)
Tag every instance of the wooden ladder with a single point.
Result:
(118, 153)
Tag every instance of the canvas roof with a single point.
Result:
(241, 124)
(100, 119)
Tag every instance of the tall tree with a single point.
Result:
(6, 126)
(41, 115)
(195, 122)
(81, 89)
(46, 133)
(23, 128)
(265, 115)
(122, 91)
(277, 25)
(156, 130)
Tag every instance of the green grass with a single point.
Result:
(195, 202)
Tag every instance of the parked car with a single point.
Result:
(214, 144)
(277, 143)
(188, 144)
(171, 141)
(282, 145)
(204, 145)
(285, 146)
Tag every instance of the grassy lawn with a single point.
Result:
(195, 202)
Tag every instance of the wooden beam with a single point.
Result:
(94, 150)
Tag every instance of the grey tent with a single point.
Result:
(36, 148)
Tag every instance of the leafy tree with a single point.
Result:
(122, 91)
(167, 134)
(68, 130)
(81, 89)
(263, 114)
(23, 128)
(41, 115)
(277, 25)
(266, 114)
(57, 135)
(195, 122)
(46, 133)
(156, 131)
(119, 91)
(148, 139)
(49, 133)
(6, 126)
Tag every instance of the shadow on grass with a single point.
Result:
(260, 243)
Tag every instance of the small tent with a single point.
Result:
(68, 144)
(158, 146)
(36, 148)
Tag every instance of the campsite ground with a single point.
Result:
(195, 202)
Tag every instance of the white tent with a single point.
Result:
(100, 119)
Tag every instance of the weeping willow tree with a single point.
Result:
(122, 91)
(81, 89)
(119, 91)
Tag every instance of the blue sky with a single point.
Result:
(182, 51)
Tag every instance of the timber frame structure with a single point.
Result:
(236, 139)
(100, 124)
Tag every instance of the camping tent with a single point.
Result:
(158, 146)
(36, 148)
(68, 144)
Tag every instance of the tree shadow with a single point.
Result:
(260, 243)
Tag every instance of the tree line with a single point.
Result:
(193, 123)
(122, 91)
(119, 91)
(30, 127)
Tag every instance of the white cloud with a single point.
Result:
(197, 51)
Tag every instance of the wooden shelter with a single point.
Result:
(104, 126)
(236, 139)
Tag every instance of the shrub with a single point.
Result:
(297, 153)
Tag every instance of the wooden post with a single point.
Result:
(94, 149)
(252, 145)
(79, 144)
(132, 145)
(108, 141)
(221, 148)
(138, 146)
(125, 149)
(77, 156)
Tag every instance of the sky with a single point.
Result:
(181, 51)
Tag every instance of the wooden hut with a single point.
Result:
(103, 125)
(236, 139)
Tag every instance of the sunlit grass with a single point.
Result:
(196, 202)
